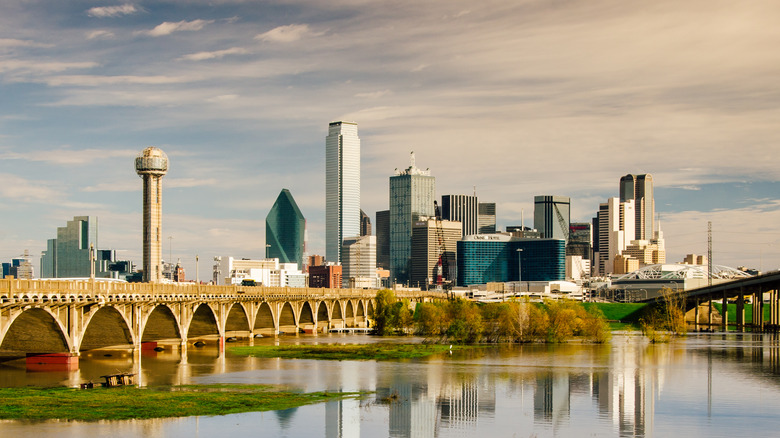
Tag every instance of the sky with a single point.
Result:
(508, 99)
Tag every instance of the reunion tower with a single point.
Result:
(151, 166)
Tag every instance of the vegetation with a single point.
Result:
(125, 403)
(460, 321)
(748, 309)
(374, 351)
(667, 319)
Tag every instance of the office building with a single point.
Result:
(383, 239)
(461, 208)
(523, 232)
(365, 224)
(579, 240)
(501, 258)
(412, 193)
(342, 187)
(486, 219)
(639, 188)
(358, 259)
(265, 272)
(151, 166)
(285, 230)
(432, 238)
(616, 231)
(551, 216)
(327, 276)
(20, 268)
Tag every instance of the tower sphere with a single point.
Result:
(152, 161)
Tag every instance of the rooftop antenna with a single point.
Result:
(475, 191)
(522, 220)
(411, 160)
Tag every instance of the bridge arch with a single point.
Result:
(105, 327)
(287, 319)
(161, 323)
(336, 312)
(264, 319)
(203, 322)
(307, 315)
(237, 319)
(35, 330)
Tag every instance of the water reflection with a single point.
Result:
(717, 384)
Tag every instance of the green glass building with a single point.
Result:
(285, 230)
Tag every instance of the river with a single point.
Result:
(705, 385)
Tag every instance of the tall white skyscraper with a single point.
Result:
(616, 230)
(342, 187)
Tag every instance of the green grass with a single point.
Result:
(626, 315)
(128, 402)
(345, 351)
(732, 308)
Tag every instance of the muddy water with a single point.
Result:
(705, 385)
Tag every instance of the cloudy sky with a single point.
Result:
(515, 98)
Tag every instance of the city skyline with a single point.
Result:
(238, 95)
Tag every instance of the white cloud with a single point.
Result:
(190, 182)
(68, 157)
(33, 67)
(170, 27)
(100, 34)
(286, 34)
(96, 81)
(11, 42)
(112, 11)
(23, 190)
(217, 54)
(374, 94)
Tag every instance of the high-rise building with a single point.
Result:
(432, 238)
(19, 268)
(501, 258)
(412, 192)
(358, 257)
(365, 224)
(342, 187)
(383, 239)
(285, 228)
(151, 166)
(579, 240)
(551, 216)
(486, 219)
(640, 189)
(68, 255)
(616, 230)
(461, 208)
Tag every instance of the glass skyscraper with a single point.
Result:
(285, 229)
(412, 192)
(498, 258)
(342, 187)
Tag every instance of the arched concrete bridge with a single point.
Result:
(62, 316)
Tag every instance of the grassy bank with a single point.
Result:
(621, 316)
(344, 351)
(143, 403)
(748, 312)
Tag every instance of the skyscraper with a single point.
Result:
(151, 166)
(461, 208)
(383, 239)
(616, 231)
(432, 238)
(342, 187)
(365, 224)
(486, 221)
(285, 228)
(551, 216)
(412, 192)
(640, 189)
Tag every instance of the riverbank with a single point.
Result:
(125, 403)
(345, 351)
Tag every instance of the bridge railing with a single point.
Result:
(10, 286)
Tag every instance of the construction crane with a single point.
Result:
(562, 223)
(441, 264)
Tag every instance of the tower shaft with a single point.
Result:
(152, 228)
